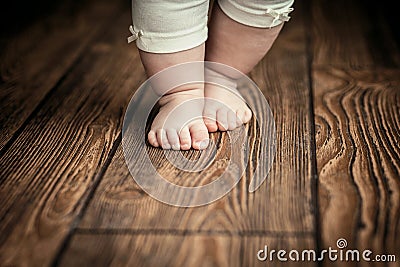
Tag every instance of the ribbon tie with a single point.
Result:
(134, 35)
(284, 16)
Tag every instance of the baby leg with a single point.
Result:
(168, 33)
(241, 32)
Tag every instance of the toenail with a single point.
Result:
(185, 146)
(167, 146)
(176, 147)
(203, 144)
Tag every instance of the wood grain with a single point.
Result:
(356, 96)
(166, 250)
(282, 204)
(53, 166)
(35, 60)
(351, 34)
(67, 197)
(358, 137)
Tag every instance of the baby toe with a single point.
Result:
(199, 134)
(163, 139)
(173, 139)
(151, 137)
(247, 115)
(231, 120)
(184, 138)
(222, 119)
(239, 117)
(210, 120)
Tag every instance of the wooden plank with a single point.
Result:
(283, 203)
(166, 250)
(356, 95)
(55, 163)
(36, 59)
(351, 34)
(357, 136)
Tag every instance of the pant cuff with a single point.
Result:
(155, 43)
(257, 17)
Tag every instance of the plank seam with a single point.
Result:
(329, 67)
(177, 232)
(313, 153)
(96, 182)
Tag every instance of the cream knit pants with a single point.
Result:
(167, 26)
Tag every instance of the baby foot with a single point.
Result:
(179, 124)
(225, 108)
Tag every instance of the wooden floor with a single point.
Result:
(332, 80)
